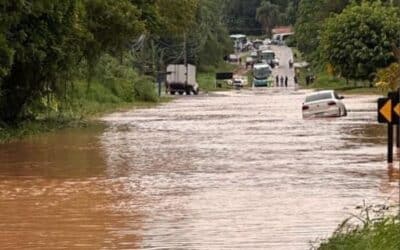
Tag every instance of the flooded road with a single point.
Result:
(234, 170)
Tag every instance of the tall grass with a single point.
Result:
(206, 76)
(384, 235)
(376, 227)
(113, 85)
(323, 81)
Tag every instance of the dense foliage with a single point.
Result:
(360, 40)
(351, 38)
(47, 46)
(259, 16)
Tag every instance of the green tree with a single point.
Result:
(269, 15)
(310, 18)
(389, 77)
(240, 16)
(359, 41)
(40, 39)
(111, 25)
(177, 16)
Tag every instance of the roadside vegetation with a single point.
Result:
(379, 235)
(206, 77)
(63, 62)
(349, 61)
(324, 81)
(373, 229)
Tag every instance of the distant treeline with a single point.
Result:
(257, 17)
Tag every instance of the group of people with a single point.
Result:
(310, 79)
(282, 81)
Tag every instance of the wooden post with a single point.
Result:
(390, 143)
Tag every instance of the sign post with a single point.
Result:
(222, 76)
(389, 113)
(390, 143)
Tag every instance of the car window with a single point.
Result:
(317, 97)
(336, 95)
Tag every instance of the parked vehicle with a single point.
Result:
(249, 62)
(237, 82)
(233, 58)
(262, 75)
(257, 43)
(324, 104)
(264, 47)
(254, 55)
(267, 41)
(182, 79)
(268, 56)
(282, 37)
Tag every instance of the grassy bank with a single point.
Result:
(384, 235)
(114, 87)
(206, 77)
(81, 102)
(323, 81)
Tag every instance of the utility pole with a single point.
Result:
(185, 59)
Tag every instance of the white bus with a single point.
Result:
(239, 41)
(281, 37)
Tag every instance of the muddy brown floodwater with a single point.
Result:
(235, 170)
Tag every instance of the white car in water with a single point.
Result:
(324, 104)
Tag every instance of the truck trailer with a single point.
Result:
(182, 79)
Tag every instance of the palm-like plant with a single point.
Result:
(268, 15)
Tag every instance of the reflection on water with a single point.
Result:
(241, 170)
(70, 153)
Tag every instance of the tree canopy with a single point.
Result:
(43, 43)
(360, 40)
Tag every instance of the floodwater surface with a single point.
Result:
(234, 170)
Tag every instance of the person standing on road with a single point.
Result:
(277, 80)
(282, 81)
(286, 81)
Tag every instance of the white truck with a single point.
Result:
(182, 79)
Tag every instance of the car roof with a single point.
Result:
(321, 92)
(262, 65)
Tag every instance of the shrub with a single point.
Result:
(144, 90)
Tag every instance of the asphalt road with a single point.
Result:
(284, 54)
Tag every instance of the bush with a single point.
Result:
(116, 76)
(291, 41)
(144, 90)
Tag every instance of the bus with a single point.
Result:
(262, 75)
(268, 56)
(239, 41)
(282, 37)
